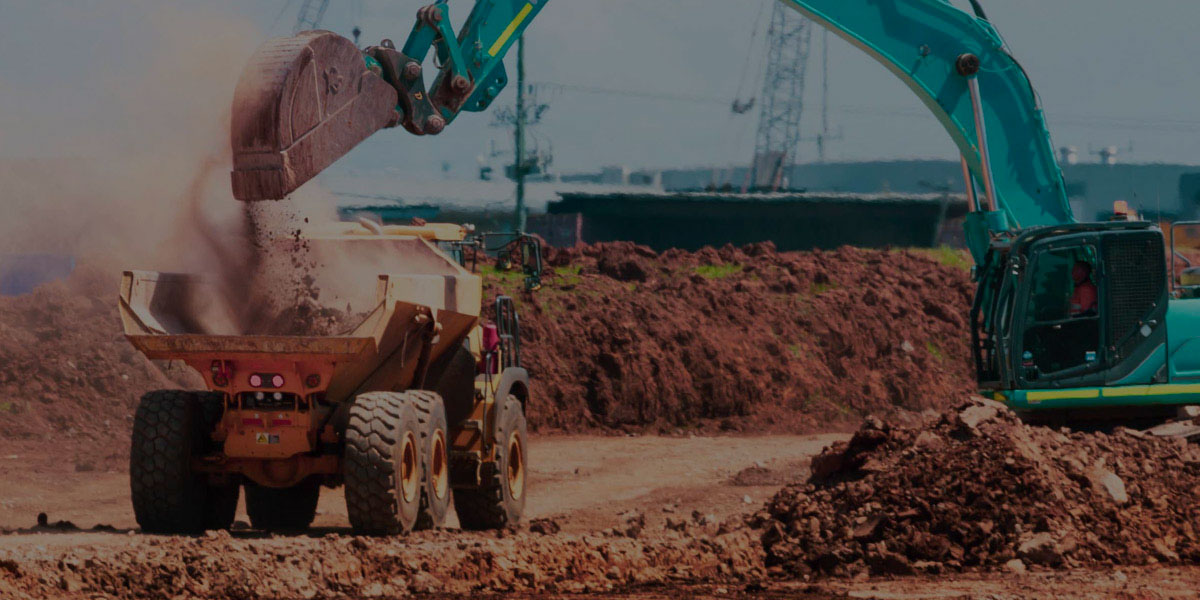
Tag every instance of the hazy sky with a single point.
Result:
(1109, 73)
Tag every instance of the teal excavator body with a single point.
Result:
(1120, 340)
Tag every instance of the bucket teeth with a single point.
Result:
(301, 103)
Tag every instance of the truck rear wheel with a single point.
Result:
(500, 499)
(382, 463)
(283, 509)
(435, 488)
(170, 428)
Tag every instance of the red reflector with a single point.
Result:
(254, 421)
(277, 381)
(256, 380)
(280, 422)
(313, 380)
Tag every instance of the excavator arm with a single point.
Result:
(305, 101)
(941, 53)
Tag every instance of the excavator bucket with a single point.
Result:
(301, 103)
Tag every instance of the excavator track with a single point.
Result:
(301, 103)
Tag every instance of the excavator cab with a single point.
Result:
(1037, 342)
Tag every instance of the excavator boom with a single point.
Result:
(304, 102)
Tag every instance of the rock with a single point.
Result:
(544, 526)
(1163, 550)
(1041, 549)
(1015, 566)
(70, 583)
(828, 462)
(1109, 482)
(890, 563)
(632, 523)
(928, 440)
(976, 414)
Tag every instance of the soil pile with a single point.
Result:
(979, 489)
(619, 337)
(741, 338)
(443, 562)
(66, 370)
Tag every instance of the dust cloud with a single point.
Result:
(134, 175)
(135, 179)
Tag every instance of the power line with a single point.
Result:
(591, 89)
(1116, 122)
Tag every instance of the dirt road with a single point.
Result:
(591, 479)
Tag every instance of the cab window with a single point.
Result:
(1062, 323)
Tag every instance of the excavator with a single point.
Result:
(1129, 353)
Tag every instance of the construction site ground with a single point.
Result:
(681, 400)
(588, 485)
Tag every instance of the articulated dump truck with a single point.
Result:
(418, 401)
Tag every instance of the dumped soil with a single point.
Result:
(977, 488)
(307, 318)
(746, 339)
(222, 566)
(66, 371)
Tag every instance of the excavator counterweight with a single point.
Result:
(301, 103)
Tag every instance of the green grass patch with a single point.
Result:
(820, 288)
(718, 271)
(501, 276)
(934, 351)
(553, 306)
(795, 350)
(568, 275)
(951, 257)
(6, 407)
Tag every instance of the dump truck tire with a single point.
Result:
(500, 499)
(283, 509)
(169, 429)
(435, 487)
(382, 464)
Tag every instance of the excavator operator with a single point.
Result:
(1083, 299)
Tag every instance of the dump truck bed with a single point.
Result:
(171, 316)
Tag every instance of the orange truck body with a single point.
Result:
(282, 392)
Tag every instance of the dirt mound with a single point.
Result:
(443, 562)
(619, 337)
(66, 370)
(741, 338)
(979, 489)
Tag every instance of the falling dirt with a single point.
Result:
(978, 489)
(745, 339)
